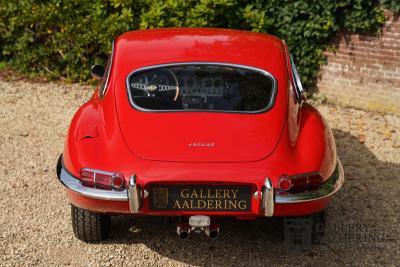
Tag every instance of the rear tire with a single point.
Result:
(89, 226)
(304, 231)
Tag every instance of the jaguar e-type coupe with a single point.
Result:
(197, 124)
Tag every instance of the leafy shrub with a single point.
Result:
(60, 38)
(393, 5)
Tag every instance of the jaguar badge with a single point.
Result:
(201, 144)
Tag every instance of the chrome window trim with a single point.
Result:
(296, 79)
(222, 64)
(103, 91)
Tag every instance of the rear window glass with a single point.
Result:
(203, 87)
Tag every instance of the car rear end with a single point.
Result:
(206, 137)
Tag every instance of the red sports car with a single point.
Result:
(197, 124)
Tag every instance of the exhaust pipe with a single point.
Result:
(197, 224)
(183, 231)
(212, 231)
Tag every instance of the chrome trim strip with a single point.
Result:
(103, 92)
(222, 64)
(267, 202)
(134, 195)
(326, 190)
(74, 184)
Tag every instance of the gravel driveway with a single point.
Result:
(35, 224)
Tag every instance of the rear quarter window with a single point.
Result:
(202, 87)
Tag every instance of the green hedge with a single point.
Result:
(61, 39)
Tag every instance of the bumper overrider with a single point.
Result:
(134, 194)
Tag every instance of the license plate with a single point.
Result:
(233, 198)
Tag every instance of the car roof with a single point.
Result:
(142, 48)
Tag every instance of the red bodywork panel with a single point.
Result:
(165, 136)
(107, 133)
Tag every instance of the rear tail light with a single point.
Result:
(285, 183)
(101, 179)
(301, 182)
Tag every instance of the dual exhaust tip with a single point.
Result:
(197, 224)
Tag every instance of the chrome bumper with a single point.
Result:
(74, 184)
(134, 193)
(329, 188)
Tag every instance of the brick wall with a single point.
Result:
(364, 70)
